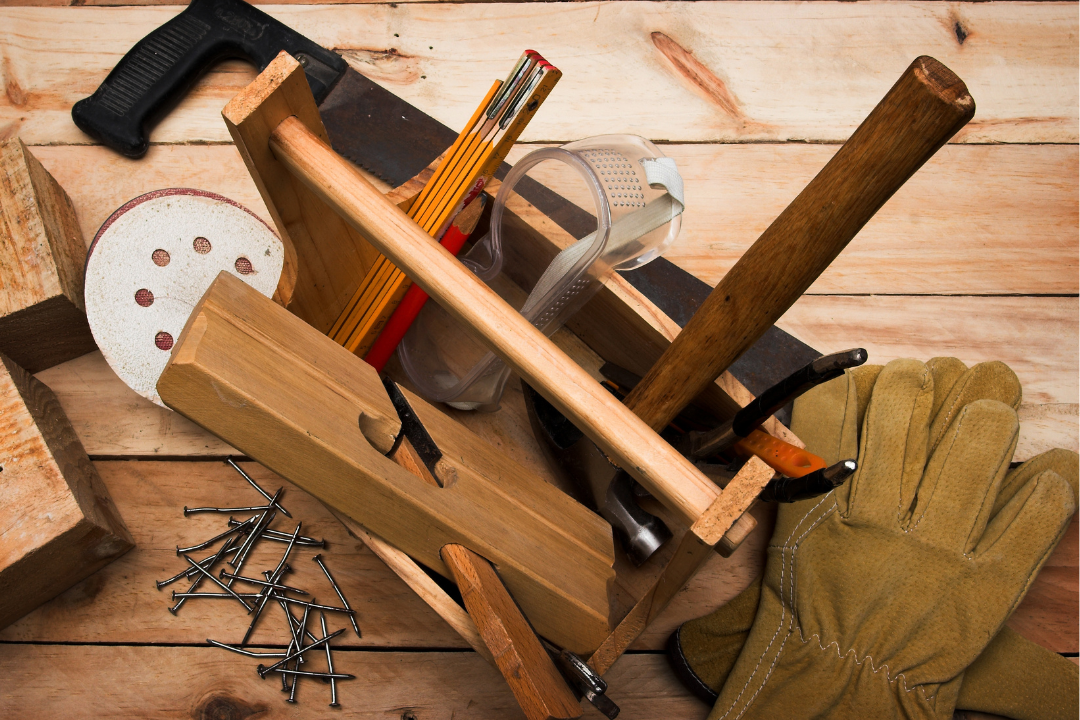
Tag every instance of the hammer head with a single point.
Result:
(598, 483)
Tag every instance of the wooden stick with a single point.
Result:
(926, 107)
(536, 683)
(613, 427)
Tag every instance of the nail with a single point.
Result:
(316, 606)
(189, 572)
(292, 541)
(237, 468)
(284, 537)
(329, 662)
(192, 511)
(210, 562)
(211, 541)
(305, 673)
(235, 649)
(318, 643)
(220, 584)
(252, 538)
(264, 583)
(212, 596)
(352, 617)
(265, 595)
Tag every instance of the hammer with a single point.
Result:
(926, 107)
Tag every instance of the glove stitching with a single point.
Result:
(783, 608)
(876, 669)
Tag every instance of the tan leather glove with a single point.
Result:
(833, 414)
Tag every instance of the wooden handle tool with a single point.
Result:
(926, 107)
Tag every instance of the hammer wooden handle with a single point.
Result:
(926, 107)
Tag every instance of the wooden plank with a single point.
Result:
(96, 681)
(771, 72)
(1035, 336)
(58, 524)
(120, 603)
(42, 315)
(977, 219)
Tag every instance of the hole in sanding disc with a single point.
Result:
(163, 340)
(202, 245)
(144, 297)
(160, 257)
(243, 266)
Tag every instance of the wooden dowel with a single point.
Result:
(613, 427)
(926, 107)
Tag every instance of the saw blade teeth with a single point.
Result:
(368, 170)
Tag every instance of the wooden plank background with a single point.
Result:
(977, 256)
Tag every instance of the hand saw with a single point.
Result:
(367, 124)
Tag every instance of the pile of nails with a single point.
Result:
(239, 540)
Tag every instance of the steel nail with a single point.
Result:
(229, 461)
(220, 584)
(316, 606)
(241, 651)
(329, 662)
(211, 541)
(306, 673)
(352, 616)
(264, 583)
(318, 643)
(210, 562)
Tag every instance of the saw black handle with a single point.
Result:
(819, 371)
(162, 67)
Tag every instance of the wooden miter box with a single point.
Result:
(42, 256)
(57, 522)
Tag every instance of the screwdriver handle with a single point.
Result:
(781, 456)
(926, 107)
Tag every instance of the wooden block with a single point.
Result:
(325, 259)
(42, 252)
(57, 522)
(536, 683)
(282, 393)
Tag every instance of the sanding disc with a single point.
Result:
(152, 261)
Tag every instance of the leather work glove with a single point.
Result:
(1012, 677)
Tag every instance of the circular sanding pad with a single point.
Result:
(152, 261)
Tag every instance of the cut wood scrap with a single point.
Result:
(57, 522)
(536, 683)
(421, 583)
(42, 253)
(1019, 60)
(286, 395)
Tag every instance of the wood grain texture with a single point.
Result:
(809, 72)
(42, 253)
(537, 685)
(324, 257)
(1035, 336)
(208, 682)
(283, 393)
(975, 220)
(57, 522)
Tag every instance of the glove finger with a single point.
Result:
(863, 377)
(1065, 463)
(824, 419)
(1025, 532)
(962, 479)
(893, 450)
(985, 381)
(946, 371)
